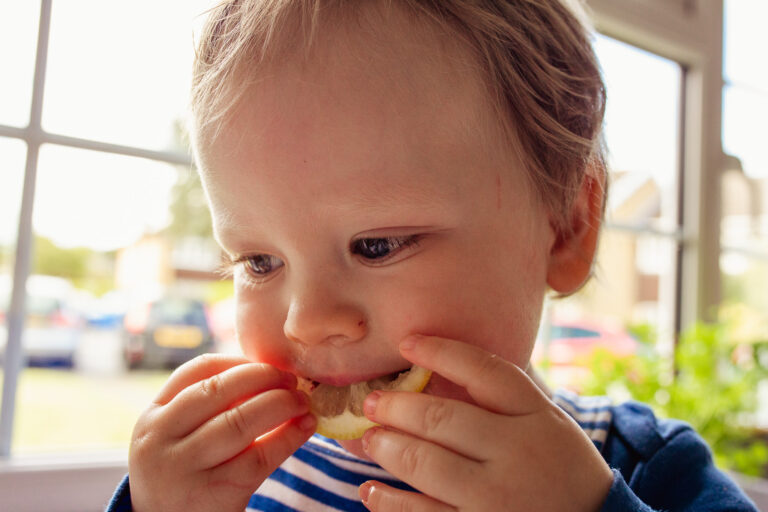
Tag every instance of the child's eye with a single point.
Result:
(261, 265)
(380, 249)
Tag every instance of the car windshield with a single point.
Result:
(566, 331)
(177, 312)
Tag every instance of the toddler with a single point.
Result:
(399, 183)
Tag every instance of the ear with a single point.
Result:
(572, 253)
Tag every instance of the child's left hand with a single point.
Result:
(514, 450)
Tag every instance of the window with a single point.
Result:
(112, 166)
(634, 283)
(115, 224)
(118, 221)
(744, 224)
(18, 37)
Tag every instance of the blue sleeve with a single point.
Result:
(621, 498)
(121, 500)
(666, 466)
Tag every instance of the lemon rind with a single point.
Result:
(347, 426)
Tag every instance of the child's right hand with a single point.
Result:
(195, 447)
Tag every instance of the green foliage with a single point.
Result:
(189, 209)
(52, 260)
(216, 291)
(644, 333)
(86, 269)
(712, 385)
(5, 257)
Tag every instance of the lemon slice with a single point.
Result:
(339, 409)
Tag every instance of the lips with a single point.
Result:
(347, 380)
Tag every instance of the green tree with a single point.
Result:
(189, 208)
(52, 260)
(86, 269)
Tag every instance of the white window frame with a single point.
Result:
(689, 32)
(686, 31)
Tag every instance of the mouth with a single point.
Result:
(332, 395)
(338, 381)
(339, 409)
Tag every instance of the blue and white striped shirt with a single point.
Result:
(657, 465)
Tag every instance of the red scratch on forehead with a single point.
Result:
(498, 191)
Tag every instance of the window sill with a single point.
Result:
(756, 489)
(77, 483)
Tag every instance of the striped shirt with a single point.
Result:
(657, 465)
(321, 476)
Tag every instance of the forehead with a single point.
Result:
(387, 110)
(377, 51)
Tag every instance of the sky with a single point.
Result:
(109, 82)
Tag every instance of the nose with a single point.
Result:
(319, 314)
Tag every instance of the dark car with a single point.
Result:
(166, 333)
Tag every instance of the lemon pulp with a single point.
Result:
(339, 409)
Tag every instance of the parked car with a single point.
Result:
(569, 346)
(53, 327)
(166, 333)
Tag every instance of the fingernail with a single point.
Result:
(410, 342)
(367, 438)
(365, 491)
(308, 423)
(370, 402)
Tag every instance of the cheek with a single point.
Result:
(480, 305)
(259, 329)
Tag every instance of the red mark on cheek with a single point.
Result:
(498, 191)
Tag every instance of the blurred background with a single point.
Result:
(122, 280)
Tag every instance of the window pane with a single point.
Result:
(744, 35)
(118, 72)
(641, 131)
(13, 155)
(18, 41)
(12, 163)
(744, 132)
(110, 200)
(632, 294)
(744, 260)
(628, 301)
(744, 224)
(745, 279)
(123, 289)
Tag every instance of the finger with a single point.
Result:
(379, 497)
(449, 423)
(195, 370)
(232, 431)
(259, 460)
(208, 397)
(492, 382)
(432, 469)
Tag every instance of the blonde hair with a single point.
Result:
(535, 55)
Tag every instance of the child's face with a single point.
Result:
(383, 205)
